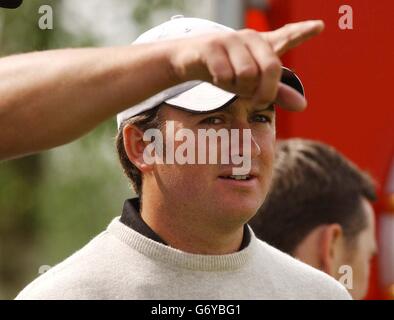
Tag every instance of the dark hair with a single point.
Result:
(146, 120)
(313, 185)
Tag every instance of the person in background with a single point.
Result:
(319, 211)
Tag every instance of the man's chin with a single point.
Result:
(244, 207)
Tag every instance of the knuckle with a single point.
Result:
(273, 67)
(248, 32)
(231, 36)
(213, 43)
(289, 29)
(289, 38)
(288, 26)
(220, 41)
(223, 76)
(247, 72)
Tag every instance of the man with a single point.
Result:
(186, 236)
(319, 211)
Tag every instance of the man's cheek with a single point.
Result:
(267, 147)
(267, 159)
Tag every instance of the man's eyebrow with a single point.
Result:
(270, 108)
(205, 113)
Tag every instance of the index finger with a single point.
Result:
(292, 35)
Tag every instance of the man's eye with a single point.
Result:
(261, 118)
(212, 120)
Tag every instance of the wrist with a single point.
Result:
(167, 52)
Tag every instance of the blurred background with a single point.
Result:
(51, 204)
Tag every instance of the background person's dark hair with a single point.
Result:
(146, 120)
(313, 185)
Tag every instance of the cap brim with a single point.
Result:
(197, 96)
(292, 80)
(206, 97)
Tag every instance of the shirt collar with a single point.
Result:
(131, 217)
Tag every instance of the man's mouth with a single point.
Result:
(237, 177)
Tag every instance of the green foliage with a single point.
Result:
(53, 203)
(81, 190)
(19, 31)
(143, 11)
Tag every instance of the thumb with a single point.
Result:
(290, 99)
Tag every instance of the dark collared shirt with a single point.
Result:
(131, 217)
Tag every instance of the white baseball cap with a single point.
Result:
(196, 95)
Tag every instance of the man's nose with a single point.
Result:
(245, 139)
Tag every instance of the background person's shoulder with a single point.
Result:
(297, 279)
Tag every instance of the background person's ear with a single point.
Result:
(134, 146)
(332, 246)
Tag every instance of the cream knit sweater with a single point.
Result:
(123, 264)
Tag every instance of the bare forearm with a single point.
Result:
(50, 98)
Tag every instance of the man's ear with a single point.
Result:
(134, 146)
(331, 248)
